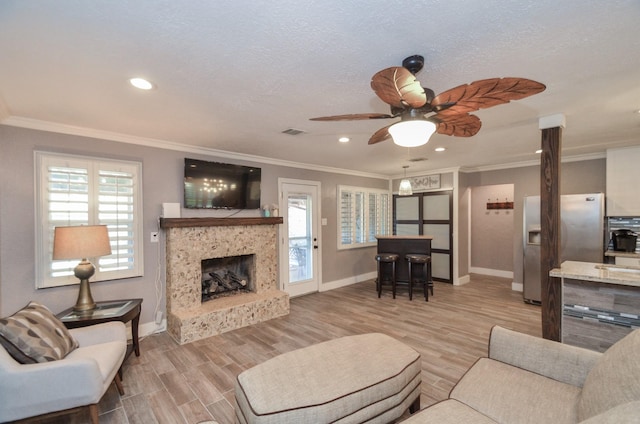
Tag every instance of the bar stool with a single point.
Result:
(386, 260)
(424, 277)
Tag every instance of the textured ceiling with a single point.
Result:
(231, 76)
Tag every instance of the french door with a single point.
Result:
(300, 236)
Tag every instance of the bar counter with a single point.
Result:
(402, 245)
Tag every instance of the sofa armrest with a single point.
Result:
(33, 389)
(100, 333)
(623, 413)
(561, 362)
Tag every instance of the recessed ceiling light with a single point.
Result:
(539, 151)
(141, 83)
(344, 139)
(440, 149)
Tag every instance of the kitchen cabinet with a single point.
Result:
(601, 303)
(628, 261)
(623, 173)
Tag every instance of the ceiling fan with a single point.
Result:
(409, 101)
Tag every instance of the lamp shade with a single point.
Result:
(405, 188)
(412, 133)
(83, 241)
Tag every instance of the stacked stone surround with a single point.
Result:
(188, 319)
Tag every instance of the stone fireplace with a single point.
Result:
(191, 244)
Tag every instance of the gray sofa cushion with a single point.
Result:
(509, 394)
(614, 378)
(561, 362)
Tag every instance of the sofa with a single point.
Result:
(526, 379)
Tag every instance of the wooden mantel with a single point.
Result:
(219, 222)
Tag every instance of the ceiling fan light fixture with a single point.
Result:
(412, 133)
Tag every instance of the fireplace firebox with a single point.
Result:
(227, 276)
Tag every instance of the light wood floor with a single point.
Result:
(169, 383)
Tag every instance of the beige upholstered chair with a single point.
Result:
(79, 379)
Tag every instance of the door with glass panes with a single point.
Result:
(429, 214)
(299, 252)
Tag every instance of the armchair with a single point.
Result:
(79, 379)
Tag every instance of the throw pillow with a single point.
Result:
(34, 334)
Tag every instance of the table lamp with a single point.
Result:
(83, 241)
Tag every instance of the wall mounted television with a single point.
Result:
(215, 185)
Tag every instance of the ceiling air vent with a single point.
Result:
(292, 131)
(418, 159)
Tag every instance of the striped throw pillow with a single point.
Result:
(34, 334)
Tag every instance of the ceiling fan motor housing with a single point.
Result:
(413, 63)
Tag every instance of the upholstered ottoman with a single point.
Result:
(369, 378)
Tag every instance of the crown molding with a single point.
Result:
(563, 159)
(34, 124)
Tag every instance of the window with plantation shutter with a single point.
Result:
(77, 190)
(364, 213)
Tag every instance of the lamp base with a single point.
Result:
(83, 271)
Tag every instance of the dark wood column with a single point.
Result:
(551, 289)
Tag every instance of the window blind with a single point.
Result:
(364, 213)
(76, 190)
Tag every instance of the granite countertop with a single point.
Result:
(603, 273)
(379, 237)
(622, 254)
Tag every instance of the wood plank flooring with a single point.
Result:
(169, 383)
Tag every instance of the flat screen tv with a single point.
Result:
(215, 185)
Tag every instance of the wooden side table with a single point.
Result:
(111, 310)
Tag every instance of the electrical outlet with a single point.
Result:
(154, 237)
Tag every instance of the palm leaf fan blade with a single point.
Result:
(381, 135)
(353, 117)
(398, 87)
(459, 125)
(486, 93)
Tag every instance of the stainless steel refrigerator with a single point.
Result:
(581, 235)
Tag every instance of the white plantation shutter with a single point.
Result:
(383, 206)
(364, 213)
(116, 211)
(76, 190)
(346, 218)
(372, 227)
(360, 217)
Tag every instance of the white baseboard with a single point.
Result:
(519, 287)
(462, 280)
(148, 328)
(491, 272)
(347, 281)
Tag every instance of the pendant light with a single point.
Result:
(405, 184)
